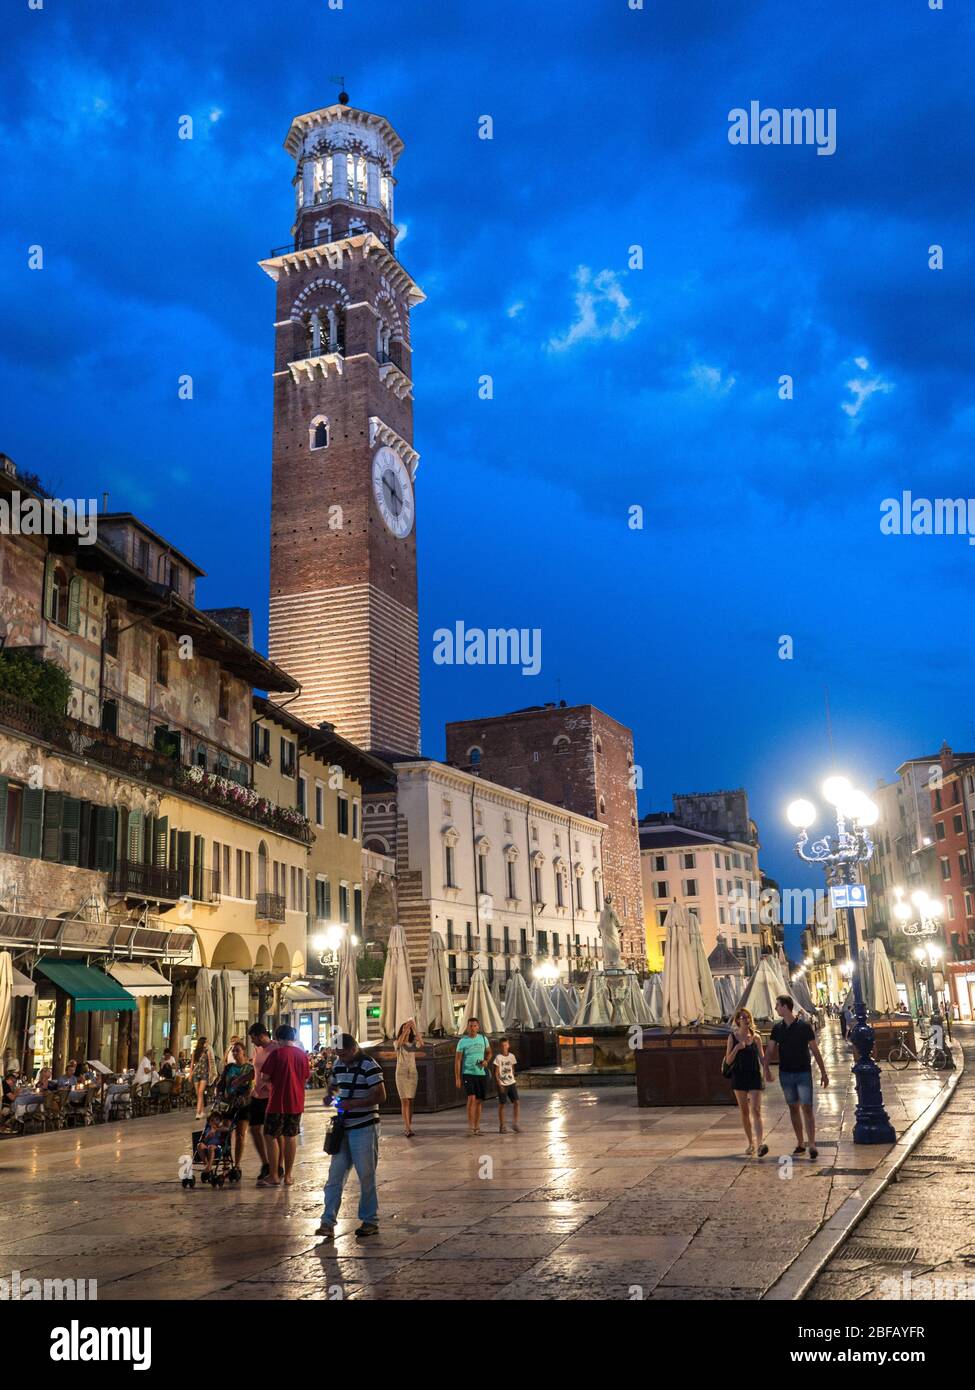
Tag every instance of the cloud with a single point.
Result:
(863, 388)
(602, 310)
(711, 380)
(515, 309)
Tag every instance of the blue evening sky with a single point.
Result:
(613, 387)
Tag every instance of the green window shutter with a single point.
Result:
(199, 854)
(85, 840)
(51, 840)
(31, 823)
(148, 838)
(135, 836)
(161, 841)
(49, 587)
(70, 830)
(106, 823)
(184, 848)
(328, 898)
(3, 813)
(74, 605)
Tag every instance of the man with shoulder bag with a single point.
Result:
(352, 1139)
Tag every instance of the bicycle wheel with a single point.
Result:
(939, 1059)
(899, 1057)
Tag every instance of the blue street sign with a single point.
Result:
(848, 895)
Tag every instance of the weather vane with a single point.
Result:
(343, 94)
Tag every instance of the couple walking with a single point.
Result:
(792, 1043)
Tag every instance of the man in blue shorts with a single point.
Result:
(470, 1064)
(791, 1042)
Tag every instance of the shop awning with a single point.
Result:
(93, 991)
(141, 981)
(302, 993)
(23, 984)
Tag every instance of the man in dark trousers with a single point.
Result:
(791, 1042)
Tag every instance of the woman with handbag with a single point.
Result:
(407, 1042)
(744, 1063)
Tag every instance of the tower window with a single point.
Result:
(474, 757)
(318, 433)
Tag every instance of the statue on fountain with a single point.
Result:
(609, 935)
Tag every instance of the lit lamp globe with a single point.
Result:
(319, 943)
(860, 808)
(801, 814)
(920, 953)
(902, 912)
(836, 790)
(546, 972)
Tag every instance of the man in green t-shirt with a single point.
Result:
(470, 1061)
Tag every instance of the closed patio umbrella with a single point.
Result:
(496, 993)
(547, 1015)
(654, 995)
(436, 1003)
(6, 999)
(595, 1006)
(762, 990)
(205, 1019)
(519, 1007)
(563, 1003)
(227, 999)
(682, 1002)
(635, 1006)
(481, 1006)
(800, 993)
(397, 1004)
(730, 989)
(712, 1009)
(347, 989)
(882, 988)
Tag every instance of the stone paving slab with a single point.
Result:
(595, 1199)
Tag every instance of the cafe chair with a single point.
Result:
(159, 1098)
(53, 1116)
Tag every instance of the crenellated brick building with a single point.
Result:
(579, 758)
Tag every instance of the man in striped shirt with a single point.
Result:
(358, 1088)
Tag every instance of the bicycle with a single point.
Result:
(931, 1055)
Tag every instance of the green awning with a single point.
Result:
(93, 991)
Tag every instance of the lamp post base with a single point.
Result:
(872, 1123)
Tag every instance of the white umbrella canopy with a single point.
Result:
(800, 993)
(205, 1018)
(397, 1004)
(225, 985)
(563, 1003)
(519, 1006)
(436, 1003)
(547, 1014)
(496, 993)
(481, 1006)
(709, 997)
(347, 989)
(762, 990)
(682, 1002)
(729, 988)
(882, 989)
(654, 995)
(6, 998)
(595, 1007)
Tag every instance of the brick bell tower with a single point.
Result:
(343, 610)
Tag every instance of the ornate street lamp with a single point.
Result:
(839, 855)
(923, 921)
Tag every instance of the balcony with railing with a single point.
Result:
(150, 882)
(142, 764)
(270, 907)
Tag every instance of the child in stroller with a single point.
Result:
(214, 1148)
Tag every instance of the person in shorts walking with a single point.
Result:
(505, 1062)
(791, 1042)
(470, 1063)
(263, 1045)
(287, 1070)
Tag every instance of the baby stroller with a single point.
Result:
(217, 1135)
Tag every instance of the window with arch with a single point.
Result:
(112, 628)
(223, 697)
(324, 330)
(162, 661)
(599, 744)
(559, 887)
(200, 756)
(562, 744)
(474, 757)
(58, 594)
(597, 888)
(323, 231)
(602, 806)
(318, 433)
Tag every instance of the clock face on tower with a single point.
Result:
(393, 491)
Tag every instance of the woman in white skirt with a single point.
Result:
(407, 1042)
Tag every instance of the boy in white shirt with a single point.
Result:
(505, 1062)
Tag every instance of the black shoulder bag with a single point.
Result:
(336, 1125)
